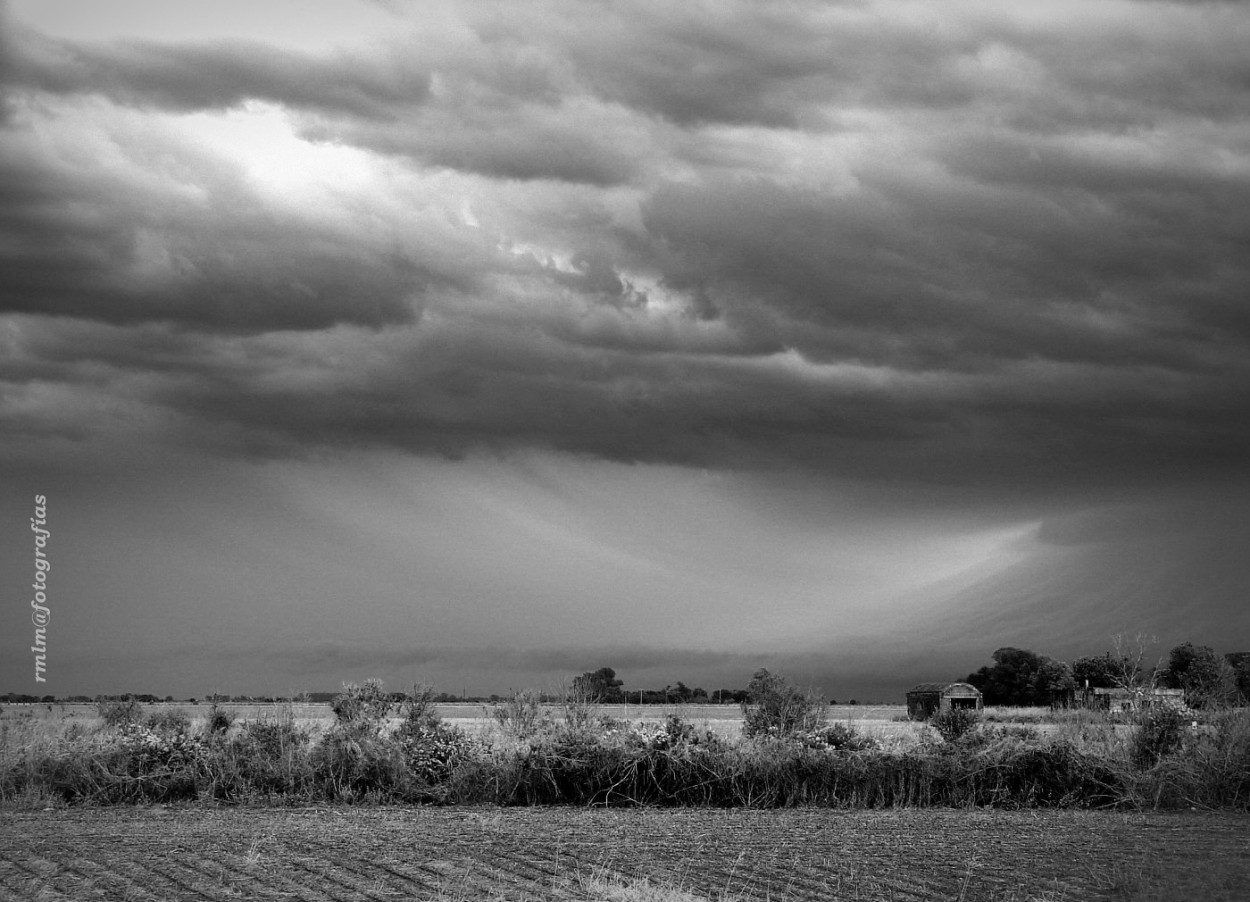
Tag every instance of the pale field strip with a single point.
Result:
(885, 723)
(881, 721)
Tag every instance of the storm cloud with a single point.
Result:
(999, 249)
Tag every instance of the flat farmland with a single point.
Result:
(882, 721)
(330, 853)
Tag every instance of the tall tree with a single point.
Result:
(1022, 677)
(599, 686)
(1239, 661)
(1094, 672)
(1206, 677)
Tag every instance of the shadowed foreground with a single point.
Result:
(632, 855)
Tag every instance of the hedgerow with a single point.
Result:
(365, 757)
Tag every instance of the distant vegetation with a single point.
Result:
(1208, 679)
(1015, 677)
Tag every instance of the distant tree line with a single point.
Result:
(1016, 677)
(1022, 677)
(603, 687)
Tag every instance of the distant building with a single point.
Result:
(1133, 699)
(928, 699)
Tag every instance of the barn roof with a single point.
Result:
(939, 687)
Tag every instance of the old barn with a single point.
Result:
(928, 699)
(1142, 699)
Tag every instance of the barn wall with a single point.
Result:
(922, 705)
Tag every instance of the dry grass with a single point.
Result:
(1083, 759)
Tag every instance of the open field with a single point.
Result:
(884, 723)
(485, 853)
(881, 721)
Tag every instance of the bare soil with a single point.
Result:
(332, 853)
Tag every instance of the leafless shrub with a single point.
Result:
(522, 715)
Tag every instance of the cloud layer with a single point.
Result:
(877, 239)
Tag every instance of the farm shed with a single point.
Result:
(927, 699)
(1134, 699)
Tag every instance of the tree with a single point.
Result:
(1054, 683)
(1239, 661)
(1094, 672)
(1021, 677)
(1128, 661)
(599, 686)
(1206, 677)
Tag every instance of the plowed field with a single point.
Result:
(659, 855)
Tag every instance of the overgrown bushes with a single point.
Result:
(777, 707)
(953, 724)
(382, 752)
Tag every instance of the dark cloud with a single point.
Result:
(523, 143)
(955, 245)
(215, 76)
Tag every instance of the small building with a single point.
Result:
(1134, 699)
(928, 699)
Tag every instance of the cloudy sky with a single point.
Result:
(485, 343)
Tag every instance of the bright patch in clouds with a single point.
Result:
(282, 166)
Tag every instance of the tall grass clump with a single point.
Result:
(1175, 765)
(577, 709)
(521, 716)
(1160, 732)
(1221, 760)
(433, 751)
(168, 721)
(354, 760)
(128, 763)
(672, 763)
(117, 713)
(953, 724)
(266, 760)
(219, 720)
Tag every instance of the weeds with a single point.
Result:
(219, 720)
(269, 758)
(431, 750)
(522, 715)
(362, 707)
(119, 712)
(168, 722)
(955, 724)
(1160, 732)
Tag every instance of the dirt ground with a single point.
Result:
(646, 855)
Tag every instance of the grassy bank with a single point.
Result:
(527, 757)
